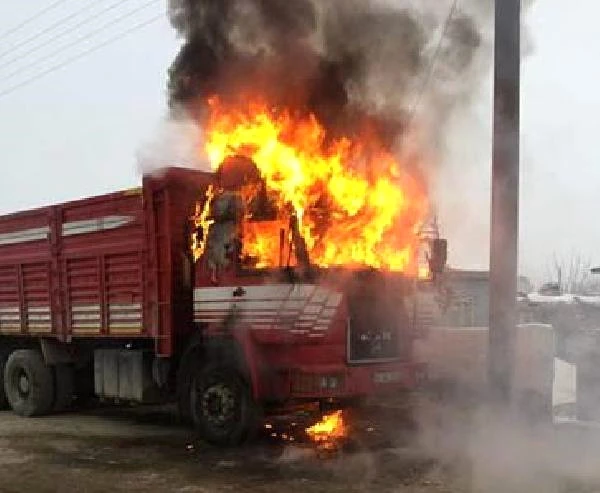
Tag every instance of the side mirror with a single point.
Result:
(439, 256)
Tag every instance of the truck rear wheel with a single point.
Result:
(221, 407)
(28, 383)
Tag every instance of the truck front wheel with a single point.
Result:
(28, 383)
(222, 409)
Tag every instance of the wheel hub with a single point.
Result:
(23, 384)
(218, 404)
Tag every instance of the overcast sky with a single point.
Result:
(77, 131)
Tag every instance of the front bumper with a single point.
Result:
(342, 382)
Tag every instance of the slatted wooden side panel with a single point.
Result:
(35, 279)
(84, 295)
(10, 314)
(123, 284)
(102, 250)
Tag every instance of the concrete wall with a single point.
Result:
(459, 356)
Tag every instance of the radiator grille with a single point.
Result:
(377, 318)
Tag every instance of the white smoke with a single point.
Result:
(175, 142)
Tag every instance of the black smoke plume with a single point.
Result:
(337, 59)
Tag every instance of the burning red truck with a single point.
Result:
(132, 295)
(289, 270)
(287, 273)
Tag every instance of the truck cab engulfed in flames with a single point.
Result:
(316, 331)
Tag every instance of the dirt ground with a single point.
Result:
(144, 449)
(125, 449)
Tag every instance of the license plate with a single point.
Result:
(387, 377)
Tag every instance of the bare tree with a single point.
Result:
(572, 274)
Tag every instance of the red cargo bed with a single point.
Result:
(108, 266)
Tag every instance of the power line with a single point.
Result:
(31, 19)
(436, 53)
(80, 55)
(78, 40)
(47, 29)
(83, 22)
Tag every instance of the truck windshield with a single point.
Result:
(240, 226)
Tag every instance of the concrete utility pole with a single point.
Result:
(505, 197)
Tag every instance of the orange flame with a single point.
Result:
(355, 203)
(202, 223)
(331, 427)
(423, 272)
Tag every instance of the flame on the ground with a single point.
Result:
(330, 428)
(357, 205)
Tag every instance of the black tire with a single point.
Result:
(221, 406)
(3, 399)
(28, 383)
(64, 387)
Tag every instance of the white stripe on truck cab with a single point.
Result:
(306, 309)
